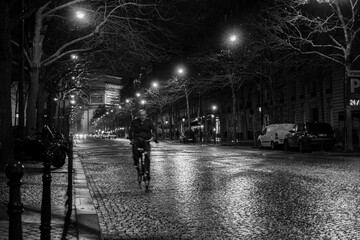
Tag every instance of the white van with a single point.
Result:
(273, 135)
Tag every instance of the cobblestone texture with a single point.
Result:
(31, 194)
(204, 192)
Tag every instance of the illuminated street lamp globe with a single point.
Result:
(181, 71)
(80, 14)
(233, 38)
(74, 56)
(155, 84)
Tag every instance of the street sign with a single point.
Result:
(354, 82)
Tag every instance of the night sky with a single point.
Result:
(212, 19)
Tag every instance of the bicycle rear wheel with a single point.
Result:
(140, 170)
(146, 172)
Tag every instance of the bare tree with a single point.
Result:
(328, 28)
(126, 26)
(225, 69)
(159, 99)
(7, 24)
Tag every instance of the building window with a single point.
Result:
(313, 89)
(301, 89)
(328, 83)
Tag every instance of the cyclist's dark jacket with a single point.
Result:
(142, 130)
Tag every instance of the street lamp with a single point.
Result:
(213, 120)
(155, 84)
(80, 14)
(74, 56)
(181, 72)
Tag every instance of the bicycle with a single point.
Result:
(143, 169)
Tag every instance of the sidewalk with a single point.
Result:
(84, 222)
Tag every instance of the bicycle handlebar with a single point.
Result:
(149, 140)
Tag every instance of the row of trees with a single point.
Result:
(125, 36)
(281, 38)
(111, 37)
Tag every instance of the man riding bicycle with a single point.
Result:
(141, 128)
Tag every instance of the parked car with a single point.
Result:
(187, 136)
(309, 136)
(273, 135)
(108, 135)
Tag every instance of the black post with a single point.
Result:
(45, 226)
(14, 172)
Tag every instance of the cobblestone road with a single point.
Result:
(209, 192)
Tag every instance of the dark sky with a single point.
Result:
(212, 19)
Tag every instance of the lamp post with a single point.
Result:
(232, 41)
(181, 73)
(213, 122)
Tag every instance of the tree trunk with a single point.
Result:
(233, 117)
(35, 72)
(187, 107)
(6, 136)
(347, 115)
(31, 107)
(40, 106)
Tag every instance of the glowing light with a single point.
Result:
(155, 84)
(80, 14)
(74, 57)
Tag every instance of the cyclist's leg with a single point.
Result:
(147, 148)
(135, 153)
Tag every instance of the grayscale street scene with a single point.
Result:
(180, 119)
(222, 192)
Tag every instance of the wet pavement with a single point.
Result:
(217, 192)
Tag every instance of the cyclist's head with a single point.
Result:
(142, 114)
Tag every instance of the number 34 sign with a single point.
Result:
(354, 79)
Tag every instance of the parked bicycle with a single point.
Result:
(47, 139)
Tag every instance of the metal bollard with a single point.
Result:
(14, 172)
(45, 225)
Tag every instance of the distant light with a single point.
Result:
(119, 106)
(55, 99)
(233, 38)
(80, 14)
(72, 96)
(181, 71)
(74, 56)
(137, 94)
(72, 102)
(127, 100)
(214, 107)
(183, 119)
(155, 84)
(143, 102)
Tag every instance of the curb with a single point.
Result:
(86, 217)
